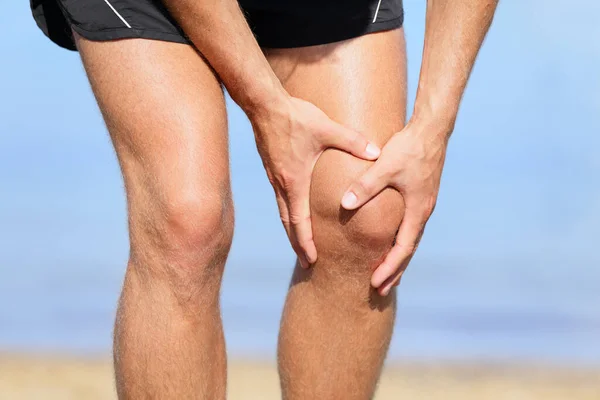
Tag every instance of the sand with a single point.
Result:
(51, 377)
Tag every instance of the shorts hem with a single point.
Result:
(386, 25)
(327, 38)
(129, 33)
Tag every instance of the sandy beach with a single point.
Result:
(53, 378)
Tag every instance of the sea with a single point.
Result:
(509, 266)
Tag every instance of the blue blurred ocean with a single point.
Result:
(509, 267)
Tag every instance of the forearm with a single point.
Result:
(219, 30)
(454, 32)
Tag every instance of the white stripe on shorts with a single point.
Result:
(123, 19)
(376, 12)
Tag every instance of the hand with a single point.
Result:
(411, 162)
(290, 137)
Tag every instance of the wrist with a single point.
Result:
(428, 120)
(261, 99)
(436, 108)
(431, 127)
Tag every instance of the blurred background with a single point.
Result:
(508, 272)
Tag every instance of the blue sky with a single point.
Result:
(520, 192)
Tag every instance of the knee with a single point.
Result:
(195, 224)
(183, 236)
(361, 235)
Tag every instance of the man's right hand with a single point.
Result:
(291, 134)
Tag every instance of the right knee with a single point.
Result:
(183, 238)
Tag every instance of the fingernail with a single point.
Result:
(349, 200)
(386, 291)
(372, 150)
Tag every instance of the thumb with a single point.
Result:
(366, 187)
(340, 137)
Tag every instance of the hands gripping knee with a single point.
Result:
(353, 242)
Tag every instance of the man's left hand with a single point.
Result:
(411, 162)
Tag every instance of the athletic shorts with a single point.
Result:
(275, 23)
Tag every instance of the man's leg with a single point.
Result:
(335, 329)
(165, 111)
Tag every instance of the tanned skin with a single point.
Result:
(336, 329)
(332, 302)
(412, 161)
(168, 124)
(290, 133)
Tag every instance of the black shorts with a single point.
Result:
(275, 23)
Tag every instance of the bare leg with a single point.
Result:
(165, 111)
(335, 330)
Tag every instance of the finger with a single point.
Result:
(392, 281)
(407, 240)
(340, 137)
(369, 185)
(285, 220)
(389, 266)
(302, 230)
(300, 223)
(283, 213)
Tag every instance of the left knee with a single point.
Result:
(361, 237)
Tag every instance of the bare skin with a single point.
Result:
(173, 153)
(175, 166)
(336, 329)
(168, 125)
(290, 133)
(413, 159)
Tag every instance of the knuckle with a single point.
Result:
(387, 171)
(394, 267)
(365, 185)
(408, 250)
(305, 243)
(286, 178)
(297, 219)
(321, 136)
(355, 138)
(430, 204)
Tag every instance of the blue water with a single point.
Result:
(508, 269)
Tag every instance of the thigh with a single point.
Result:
(360, 83)
(165, 111)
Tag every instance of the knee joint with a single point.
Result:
(184, 239)
(361, 234)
